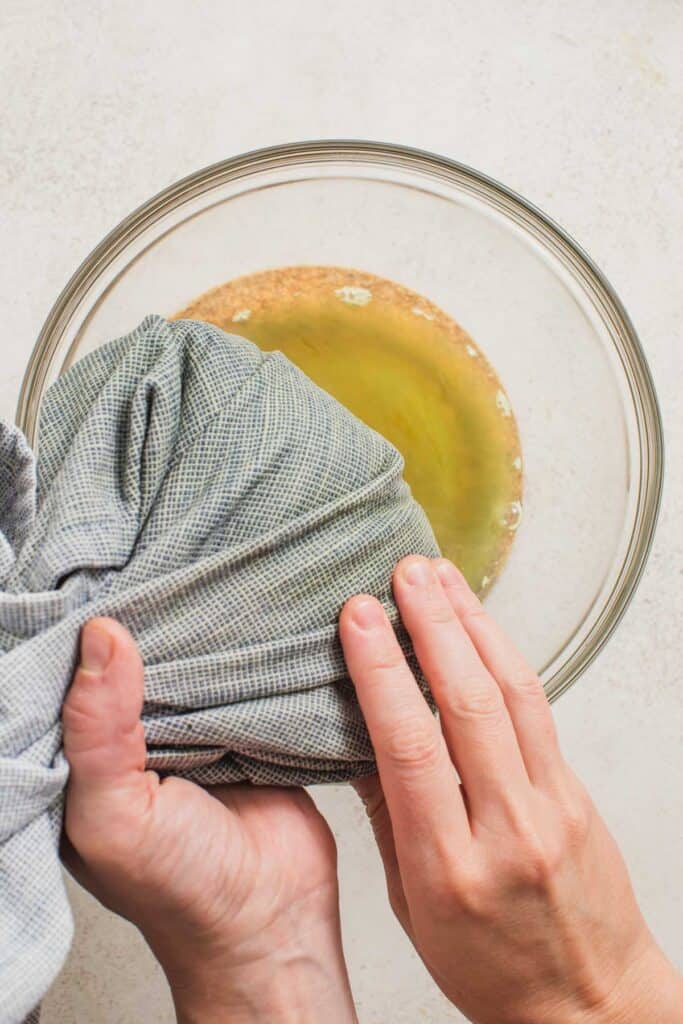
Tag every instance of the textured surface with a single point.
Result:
(575, 106)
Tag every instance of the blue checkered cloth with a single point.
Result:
(223, 507)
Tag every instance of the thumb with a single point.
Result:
(103, 737)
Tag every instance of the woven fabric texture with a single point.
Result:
(223, 507)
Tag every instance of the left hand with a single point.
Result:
(234, 888)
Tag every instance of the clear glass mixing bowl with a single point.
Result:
(543, 313)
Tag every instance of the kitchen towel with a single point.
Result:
(223, 507)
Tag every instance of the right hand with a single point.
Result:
(510, 886)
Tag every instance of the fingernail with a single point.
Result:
(447, 572)
(95, 649)
(367, 613)
(417, 572)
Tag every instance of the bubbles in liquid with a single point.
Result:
(406, 368)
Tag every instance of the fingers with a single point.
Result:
(369, 789)
(103, 738)
(474, 717)
(522, 691)
(420, 786)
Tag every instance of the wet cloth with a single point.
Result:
(220, 505)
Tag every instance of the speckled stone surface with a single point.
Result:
(575, 106)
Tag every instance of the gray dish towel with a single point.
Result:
(223, 507)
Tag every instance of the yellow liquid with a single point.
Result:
(409, 371)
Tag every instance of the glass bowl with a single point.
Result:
(544, 315)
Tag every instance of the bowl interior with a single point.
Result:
(544, 320)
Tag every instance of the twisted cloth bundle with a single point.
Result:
(220, 505)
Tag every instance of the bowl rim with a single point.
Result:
(515, 208)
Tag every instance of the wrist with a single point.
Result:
(299, 979)
(651, 990)
(298, 990)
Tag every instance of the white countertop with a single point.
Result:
(577, 107)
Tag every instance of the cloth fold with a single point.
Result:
(220, 505)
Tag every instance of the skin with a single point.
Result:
(234, 888)
(507, 883)
(509, 886)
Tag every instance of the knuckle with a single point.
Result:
(386, 662)
(462, 886)
(574, 810)
(472, 891)
(439, 613)
(76, 717)
(536, 867)
(443, 897)
(412, 746)
(536, 861)
(444, 871)
(80, 708)
(526, 684)
(472, 610)
(474, 699)
(576, 822)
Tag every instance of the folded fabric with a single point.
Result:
(223, 507)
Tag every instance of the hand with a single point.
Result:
(509, 886)
(234, 888)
